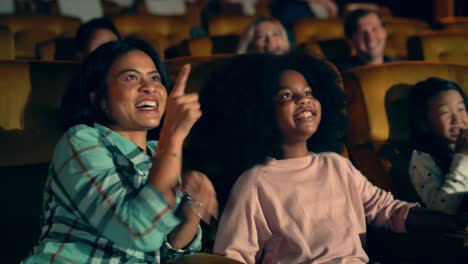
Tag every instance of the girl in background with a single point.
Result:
(89, 37)
(93, 34)
(438, 125)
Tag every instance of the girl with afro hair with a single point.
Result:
(276, 121)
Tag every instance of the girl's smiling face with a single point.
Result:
(298, 111)
(447, 115)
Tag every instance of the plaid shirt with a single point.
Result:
(99, 207)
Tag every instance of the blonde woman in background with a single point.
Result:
(264, 35)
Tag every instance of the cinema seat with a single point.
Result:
(398, 32)
(171, 30)
(29, 30)
(454, 23)
(228, 25)
(440, 46)
(317, 29)
(7, 44)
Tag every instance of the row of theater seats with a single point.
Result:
(51, 37)
(31, 94)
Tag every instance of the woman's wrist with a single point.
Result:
(190, 210)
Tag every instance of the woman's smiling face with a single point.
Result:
(136, 96)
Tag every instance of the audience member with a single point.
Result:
(438, 125)
(93, 34)
(111, 195)
(90, 36)
(366, 32)
(264, 35)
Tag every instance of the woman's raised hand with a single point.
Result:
(182, 110)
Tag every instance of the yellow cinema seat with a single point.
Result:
(29, 30)
(171, 27)
(228, 25)
(31, 96)
(7, 44)
(398, 32)
(454, 23)
(317, 29)
(161, 31)
(440, 46)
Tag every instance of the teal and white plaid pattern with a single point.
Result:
(98, 206)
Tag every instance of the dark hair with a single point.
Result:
(93, 79)
(86, 30)
(421, 136)
(352, 19)
(239, 128)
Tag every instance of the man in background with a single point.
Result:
(366, 32)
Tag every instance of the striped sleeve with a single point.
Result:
(88, 179)
(168, 252)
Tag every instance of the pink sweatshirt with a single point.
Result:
(304, 210)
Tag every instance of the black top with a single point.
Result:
(355, 62)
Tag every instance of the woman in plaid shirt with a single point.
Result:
(111, 196)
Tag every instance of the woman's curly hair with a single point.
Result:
(239, 128)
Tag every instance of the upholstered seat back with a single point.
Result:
(443, 46)
(171, 27)
(7, 44)
(318, 29)
(228, 25)
(398, 32)
(454, 23)
(29, 30)
(31, 96)
(208, 46)
(201, 69)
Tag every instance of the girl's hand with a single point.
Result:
(182, 110)
(462, 143)
(202, 197)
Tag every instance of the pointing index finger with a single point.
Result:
(181, 81)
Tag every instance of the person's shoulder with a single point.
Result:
(152, 144)
(418, 155)
(335, 162)
(82, 136)
(250, 178)
(76, 140)
(331, 156)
